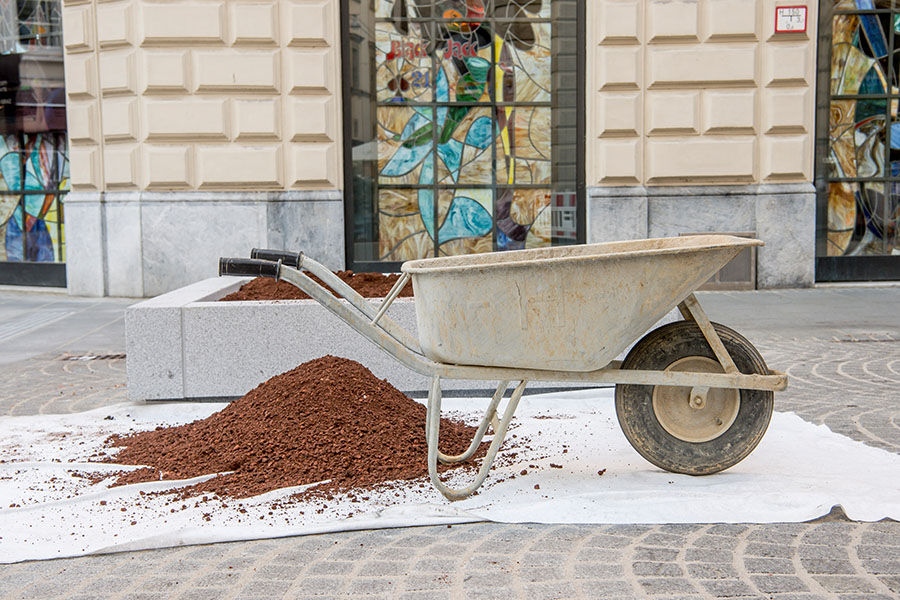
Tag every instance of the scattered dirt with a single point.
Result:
(369, 285)
(328, 419)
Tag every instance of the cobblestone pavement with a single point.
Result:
(846, 382)
(50, 384)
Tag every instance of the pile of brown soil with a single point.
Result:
(329, 418)
(369, 285)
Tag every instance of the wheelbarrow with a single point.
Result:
(692, 396)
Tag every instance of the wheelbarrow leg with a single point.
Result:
(490, 417)
(433, 425)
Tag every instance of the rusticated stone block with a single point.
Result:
(167, 166)
(237, 165)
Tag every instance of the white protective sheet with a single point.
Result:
(798, 472)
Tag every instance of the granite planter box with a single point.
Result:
(186, 345)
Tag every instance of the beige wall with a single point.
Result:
(203, 94)
(688, 91)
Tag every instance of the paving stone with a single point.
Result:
(435, 565)
(426, 595)
(352, 553)
(877, 552)
(598, 570)
(107, 585)
(383, 567)
(447, 550)
(608, 541)
(717, 542)
(892, 583)
(539, 574)
(312, 586)
(203, 594)
(770, 550)
(839, 583)
(711, 571)
(415, 541)
(663, 539)
(679, 529)
(44, 590)
(727, 530)
(394, 553)
(554, 591)
(655, 554)
(493, 580)
(266, 588)
(418, 582)
(607, 589)
(822, 552)
(215, 579)
(489, 562)
(826, 566)
(883, 567)
(542, 559)
(769, 565)
(331, 567)
(656, 569)
(771, 584)
(707, 555)
(727, 588)
(658, 587)
(183, 566)
(627, 530)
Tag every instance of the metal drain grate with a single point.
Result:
(91, 356)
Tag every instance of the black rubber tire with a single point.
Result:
(634, 403)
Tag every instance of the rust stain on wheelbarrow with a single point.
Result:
(692, 397)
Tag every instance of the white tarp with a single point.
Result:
(798, 472)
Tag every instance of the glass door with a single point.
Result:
(859, 178)
(464, 128)
(34, 167)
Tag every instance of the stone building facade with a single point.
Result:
(200, 128)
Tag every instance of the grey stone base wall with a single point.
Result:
(781, 215)
(142, 244)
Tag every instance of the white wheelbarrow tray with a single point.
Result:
(563, 314)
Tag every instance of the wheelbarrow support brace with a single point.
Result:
(249, 266)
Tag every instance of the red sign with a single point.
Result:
(790, 19)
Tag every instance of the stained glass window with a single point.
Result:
(34, 168)
(862, 162)
(464, 128)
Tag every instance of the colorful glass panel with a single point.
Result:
(471, 157)
(863, 154)
(34, 171)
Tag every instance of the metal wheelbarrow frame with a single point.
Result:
(369, 319)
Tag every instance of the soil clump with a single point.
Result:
(328, 419)
(369, 285)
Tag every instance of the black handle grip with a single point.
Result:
(249, 266)
(291, 259)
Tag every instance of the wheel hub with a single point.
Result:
(697, 414)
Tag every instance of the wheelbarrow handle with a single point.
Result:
(249, 266)
(291, 259)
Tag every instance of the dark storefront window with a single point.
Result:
(464, 125)
(34, 173)
(859, 178)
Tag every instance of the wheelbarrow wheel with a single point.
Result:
(661, 423)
